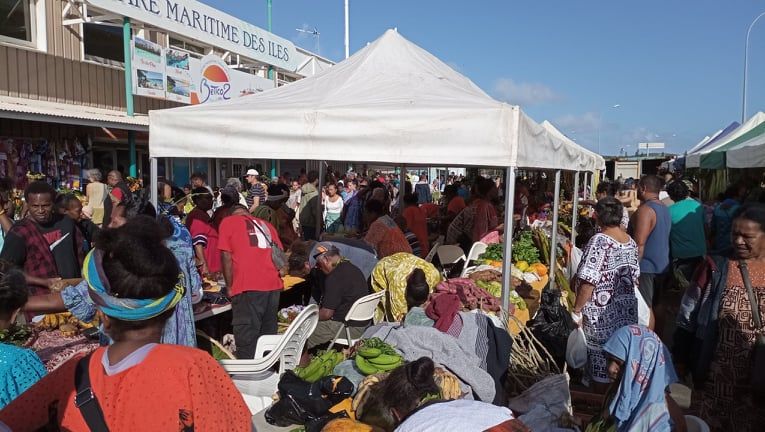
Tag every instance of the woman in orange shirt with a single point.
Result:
(417, 222)
(137, 383)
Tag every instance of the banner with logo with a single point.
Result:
(167, 73)
(148, 69)
(213, 80)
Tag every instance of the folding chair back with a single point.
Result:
(362, 309)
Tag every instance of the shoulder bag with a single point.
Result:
(85, 400)
(758, 351)
(278, 256)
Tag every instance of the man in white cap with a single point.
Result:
(257, 192)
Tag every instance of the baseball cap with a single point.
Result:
(318, 250)
(252, 172)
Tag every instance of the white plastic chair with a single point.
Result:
(254, 378)
(475, 251)
(433, 248)
(449, 255)
(362, 309)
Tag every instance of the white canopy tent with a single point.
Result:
(391, 102)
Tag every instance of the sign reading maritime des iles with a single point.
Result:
(201, 22)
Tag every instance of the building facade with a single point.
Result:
(63, 98)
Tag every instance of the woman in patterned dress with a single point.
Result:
(606, 281)
(725, 334)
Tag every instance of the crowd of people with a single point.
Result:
(667, 290)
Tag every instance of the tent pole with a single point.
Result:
(574, 216)
(508, 252)
(401, 189)
(554, 236)
(319, 215)
(154, 183)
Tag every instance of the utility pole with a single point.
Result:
(133, 171)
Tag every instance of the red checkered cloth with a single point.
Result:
(39, 261)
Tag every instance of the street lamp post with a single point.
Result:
(746, 65)
(347, 31)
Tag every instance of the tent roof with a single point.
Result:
(702, 159)
(748, 154)
(391, 102)
(594, 160)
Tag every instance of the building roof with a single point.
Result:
(56, 112)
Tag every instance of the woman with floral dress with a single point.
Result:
(606, 281)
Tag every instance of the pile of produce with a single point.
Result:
(493, 255)
(524, 249)
(375, 356)
(448, 383)
(209, 285)
(490, 280)
(66, 323)
(288, 314)
(471, 295)
(363, 392)
(561, 281)
(320, 366)
(18, 335)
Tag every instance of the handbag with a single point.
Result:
(278, 256)
(85, 400)
(758, 351)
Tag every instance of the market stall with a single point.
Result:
(712, 155)
(392, 102)
(747, 154)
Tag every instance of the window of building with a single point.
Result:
(17, 20)
(180, 44)
(103, 43)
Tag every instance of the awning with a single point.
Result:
(55, 112)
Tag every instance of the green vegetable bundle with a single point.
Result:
(494, 252)
(524, 249)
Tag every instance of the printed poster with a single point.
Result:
(148, 69)
(178, 76)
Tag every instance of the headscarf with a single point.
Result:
(639, 403)
(123, 308)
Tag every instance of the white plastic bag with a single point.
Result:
(576, 349)
(644, 313)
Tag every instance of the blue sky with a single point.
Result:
(675, 67)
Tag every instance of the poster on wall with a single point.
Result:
(214, 81)
(148, 69)
(177, 76)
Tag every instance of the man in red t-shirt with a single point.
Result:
(252, 279)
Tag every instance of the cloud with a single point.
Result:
(579, 123)
(523, 93)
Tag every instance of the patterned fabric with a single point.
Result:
(39, 261)
(613, 269)
(391, 274)
(640, 400)
(352, 217)
(461, 227)
(19, 369)
(727, 396)
(124, 308)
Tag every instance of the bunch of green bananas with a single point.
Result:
(320, 366)
(378, 358)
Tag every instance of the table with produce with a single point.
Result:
(55, 338)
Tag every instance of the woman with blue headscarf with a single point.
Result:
(641, 369)
(179, 328)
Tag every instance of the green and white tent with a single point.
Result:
(714, 157)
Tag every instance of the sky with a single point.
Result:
(673, 69)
